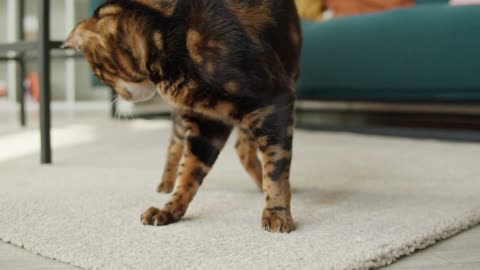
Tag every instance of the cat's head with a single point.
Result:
(113, 41)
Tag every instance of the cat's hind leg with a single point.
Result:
(247, 152)
(174, 154)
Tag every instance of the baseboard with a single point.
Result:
(457, 127)
(399, 107)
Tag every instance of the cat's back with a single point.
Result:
(273, 23)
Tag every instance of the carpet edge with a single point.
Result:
(32, 251)
(444, 231)
(390, 255)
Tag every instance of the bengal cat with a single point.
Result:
(221, 64)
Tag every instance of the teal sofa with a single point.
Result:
(429, 52)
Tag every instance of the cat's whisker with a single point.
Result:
(115, 107)
(132, 113)
(114, 101)
(117, 114)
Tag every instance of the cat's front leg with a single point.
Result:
(204, 140)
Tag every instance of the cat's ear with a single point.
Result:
(79, 35)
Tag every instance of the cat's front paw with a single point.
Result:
(159, 217)
(278, 220)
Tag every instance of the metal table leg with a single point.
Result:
(44, 79)
(21, 65)
(21, 92)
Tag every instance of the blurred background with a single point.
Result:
(389, 66)
(396, 63)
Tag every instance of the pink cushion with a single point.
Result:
(465, 2)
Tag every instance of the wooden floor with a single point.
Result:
(461, 252)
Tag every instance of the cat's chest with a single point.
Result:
(186, 94)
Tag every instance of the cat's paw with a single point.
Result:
(159, 217)
(277, 220)
(165, 187)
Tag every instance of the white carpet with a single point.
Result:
(359, 202)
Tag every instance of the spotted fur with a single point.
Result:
(221, 64)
